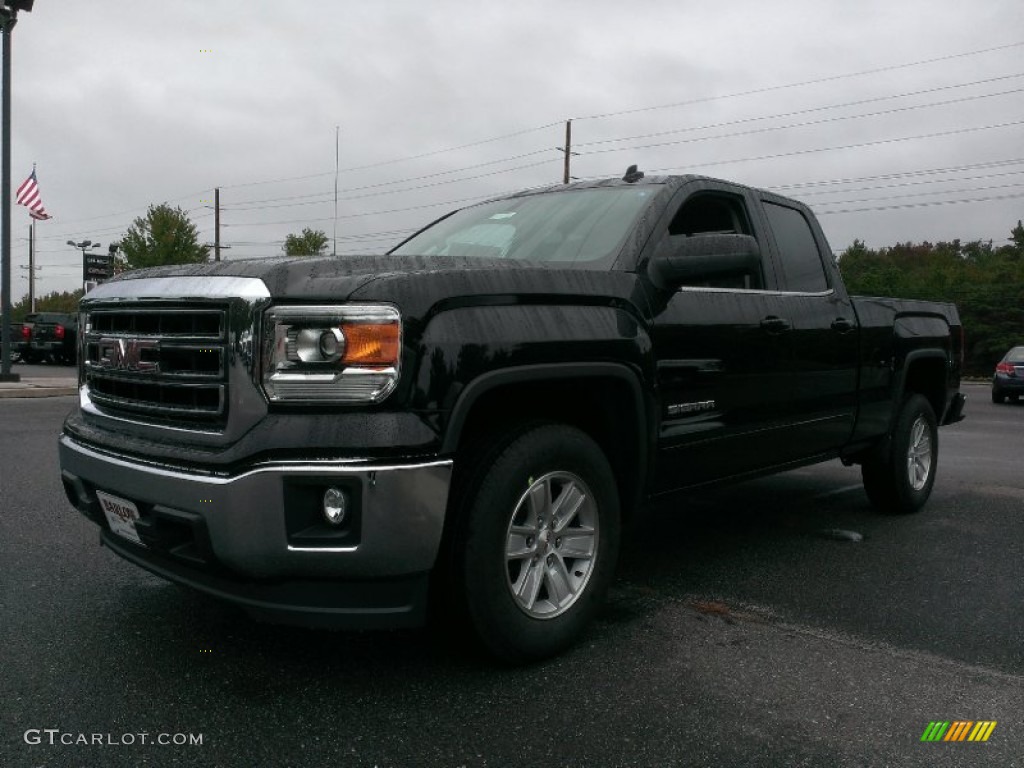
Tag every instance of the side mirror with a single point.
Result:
(680, 260)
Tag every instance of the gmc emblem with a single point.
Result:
(126, 355)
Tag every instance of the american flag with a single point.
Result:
(28, 195)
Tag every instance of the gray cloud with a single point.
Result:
(127, 104)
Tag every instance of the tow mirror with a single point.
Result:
(681, 260)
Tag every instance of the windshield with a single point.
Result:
(585, 227)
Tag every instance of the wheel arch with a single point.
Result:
(604, 400)
(924, 373)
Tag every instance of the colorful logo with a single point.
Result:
(959, 730)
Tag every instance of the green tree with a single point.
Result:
(309, 243)
(1017, 240)
(165, 235)
(65, 301)
(985, 281)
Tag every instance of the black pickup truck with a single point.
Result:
(467, 421)
(51, 335)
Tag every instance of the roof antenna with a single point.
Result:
(632, 175)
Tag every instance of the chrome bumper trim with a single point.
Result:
(402, 511)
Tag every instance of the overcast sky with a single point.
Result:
(123, 104)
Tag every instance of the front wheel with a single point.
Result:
(540, 542)
(899, 477)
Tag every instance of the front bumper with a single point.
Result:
(256, 537)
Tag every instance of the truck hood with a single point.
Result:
(413, 283)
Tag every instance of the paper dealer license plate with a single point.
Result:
(121, 514)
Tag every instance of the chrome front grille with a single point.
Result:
(162, 363)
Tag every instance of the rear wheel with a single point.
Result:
(997, 396)
(898, 478)
(539, 543)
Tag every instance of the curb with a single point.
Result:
(37, 389)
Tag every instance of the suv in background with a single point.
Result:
(1008, 380)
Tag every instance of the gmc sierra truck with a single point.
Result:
(466, 422)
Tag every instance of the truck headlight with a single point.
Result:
(349, 353)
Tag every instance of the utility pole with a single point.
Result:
(8, 19)
(8, 15)
(568, 150)
(216, 224)
(337, 133)
(31, 266)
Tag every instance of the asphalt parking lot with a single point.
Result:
(745, 628)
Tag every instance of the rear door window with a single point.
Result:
(798, 250)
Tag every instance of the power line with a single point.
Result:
(397, 191)
(920, 194)
(816, 81)
(901, 174)
(116, 228)
(805, 124)
(812, 193)
(794, 113)
(238, 206)
(133, 210)
(396, 160)
(360, 215)
(922, 205)
(351, 237)
(816, 150)
(323, 197)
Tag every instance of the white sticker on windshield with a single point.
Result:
(503, 215)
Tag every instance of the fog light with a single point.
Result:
(335, 506)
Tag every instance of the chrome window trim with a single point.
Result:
(756, 291)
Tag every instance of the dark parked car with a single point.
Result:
(52, 335)
(1008, 380)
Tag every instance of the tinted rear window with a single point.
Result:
(798, 250)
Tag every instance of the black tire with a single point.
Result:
(899, 475)
(998, 397)
(559, 463)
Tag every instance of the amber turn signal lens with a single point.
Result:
(371, 344)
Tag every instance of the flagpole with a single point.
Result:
(32, 265)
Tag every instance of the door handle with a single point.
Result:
(774, 324)
(842, 325)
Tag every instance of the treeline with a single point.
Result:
(64, 301)
(986, 282)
